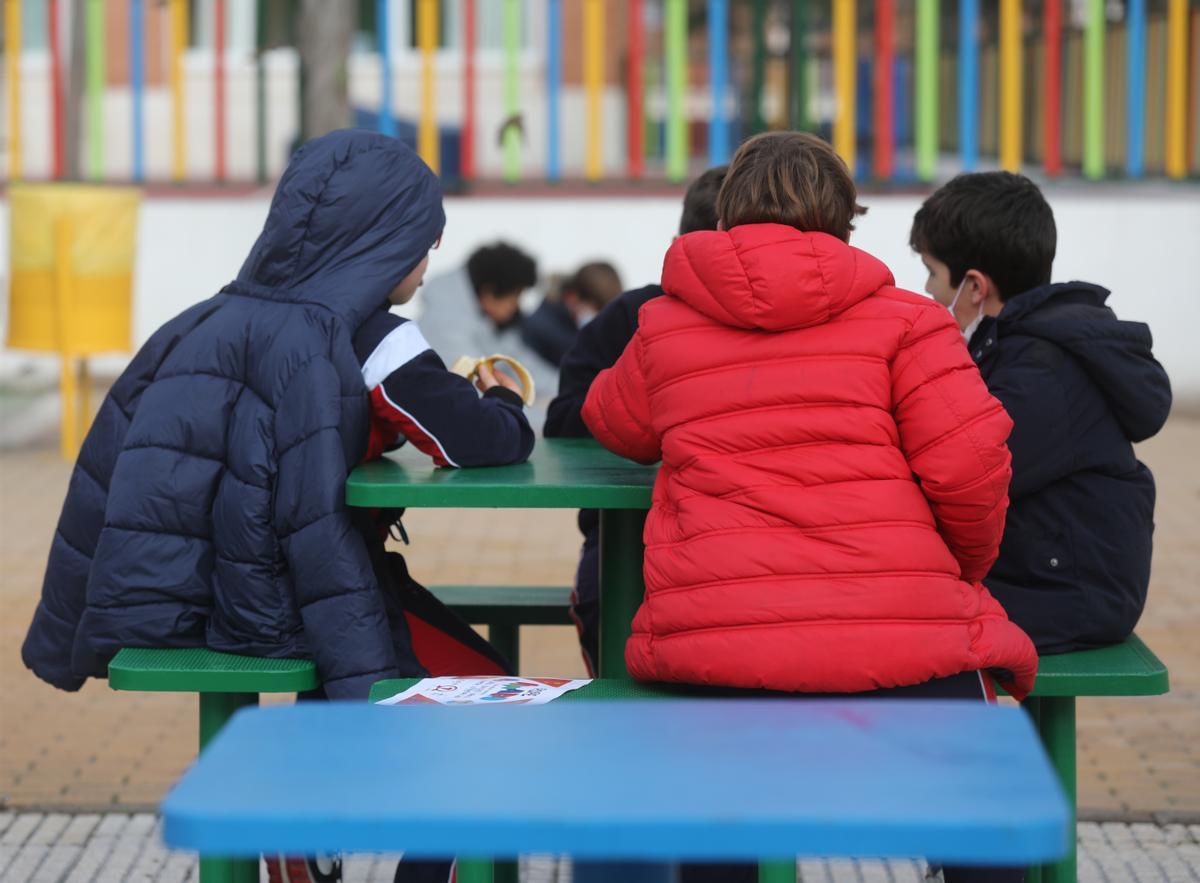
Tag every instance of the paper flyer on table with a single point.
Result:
(500, 690)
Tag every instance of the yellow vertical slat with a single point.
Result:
(845, 19)
(70, 435)
(1010, 85)
(179, 39)
(593, 65)
(1176, 129)
(12, 53)
(427, 133)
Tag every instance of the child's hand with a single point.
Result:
(486, 378)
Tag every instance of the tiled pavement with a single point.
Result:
(100, 751)
(115, 848)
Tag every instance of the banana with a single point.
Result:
(468, 367)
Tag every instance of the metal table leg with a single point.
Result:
(215, 711)
(1056, 723)
(621, 584)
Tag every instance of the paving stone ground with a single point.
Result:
(100, 751)
(119, 847)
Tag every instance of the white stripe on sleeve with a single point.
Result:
(400, 347)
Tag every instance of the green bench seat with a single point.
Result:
(225, 682)
(1126, 669)
(504, 609)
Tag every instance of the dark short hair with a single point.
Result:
(791, 178)
(595, 284)
(700, 201)
(504, 269)
(995, 222)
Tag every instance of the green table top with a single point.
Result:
(561, 474)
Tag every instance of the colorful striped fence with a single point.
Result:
(919, 89)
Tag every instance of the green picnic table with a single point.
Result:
(560, 474)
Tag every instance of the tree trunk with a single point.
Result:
(73, 106)
(326, 29)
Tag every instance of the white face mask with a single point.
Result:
(970, 329)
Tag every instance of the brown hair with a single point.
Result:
(791, 178)
(595, 284)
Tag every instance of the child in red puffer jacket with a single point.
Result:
(834, 472)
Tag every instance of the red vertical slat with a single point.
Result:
(885, 139)
(219, 84)
(1052, 86)
(634, 99)
(56, 93)
(467, 148)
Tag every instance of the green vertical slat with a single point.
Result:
(1093, 91)
(512, 89)
(94, 39)
(927, 89)
(799, 67)
(675, 49)
(758, 75)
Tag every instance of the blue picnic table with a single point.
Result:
(737, 779)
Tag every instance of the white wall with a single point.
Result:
(1143, 244)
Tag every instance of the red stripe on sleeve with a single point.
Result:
(388, 423)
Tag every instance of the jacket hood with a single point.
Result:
(770, 276)
(1115, 354)
(354, 213)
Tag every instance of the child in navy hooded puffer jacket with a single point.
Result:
(207, 505)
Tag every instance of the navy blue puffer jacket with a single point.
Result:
(1080, 386)
(207, 506)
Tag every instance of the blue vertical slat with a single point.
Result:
(968, 83)
(554, 77)
(387, 118)
(1135, 96)
(901, 103)
(718, 68)
(136, 53)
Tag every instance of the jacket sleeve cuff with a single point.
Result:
(505, 395)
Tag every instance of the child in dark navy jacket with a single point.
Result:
(207, 507)
(1080, 385)
(598, 346)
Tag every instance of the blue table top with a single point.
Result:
(714, 779)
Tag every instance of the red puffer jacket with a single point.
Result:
(834, 475)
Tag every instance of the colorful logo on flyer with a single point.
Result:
(513, 691)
